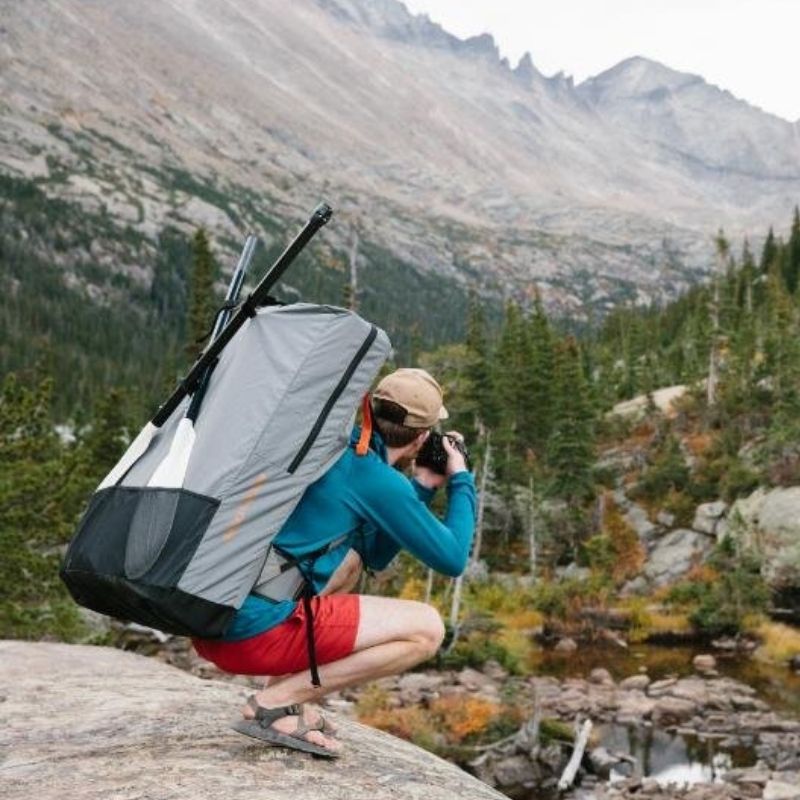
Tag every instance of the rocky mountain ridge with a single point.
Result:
(242, 114)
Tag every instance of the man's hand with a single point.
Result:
(455, 463)
(455, 460)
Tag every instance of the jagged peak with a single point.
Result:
(637, 75)
(391, 19)
(561, 80)
(483, 44)
(526, 70)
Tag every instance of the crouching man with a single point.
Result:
(363, 511)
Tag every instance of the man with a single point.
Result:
(362, 511)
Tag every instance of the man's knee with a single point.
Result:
(430, 633)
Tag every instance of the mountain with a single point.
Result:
(240, 114)
(699, 125)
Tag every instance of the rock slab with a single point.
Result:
(674, 555)
(94, 722)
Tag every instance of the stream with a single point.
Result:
(673, 757)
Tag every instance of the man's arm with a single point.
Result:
(403, 521)
(376, 549)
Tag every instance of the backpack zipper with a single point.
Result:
(331, 401)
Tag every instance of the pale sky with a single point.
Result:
(750, 47)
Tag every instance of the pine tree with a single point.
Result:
(570, 454)
(41, 493)
(479, 372)
(507, 359)
(524, 397)
(783, 358)
(106, 438)
(748, 276)
(740, 331)
(202, 300)
(792, 258)
(539, 403)
(768, 252)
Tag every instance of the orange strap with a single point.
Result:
(366, 427)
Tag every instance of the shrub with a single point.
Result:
(721, 598)
(681, 506)
(598, 554)
(412, 723)
(475, 649)
(779, 642)
(554, 730)
(564, 599)
(493, 597)
(738, 480)
(462, 718)
(646, 621)
(446, 723)
(640, 619)
(628, 556)
(668, 472)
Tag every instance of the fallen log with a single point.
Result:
(571, 770)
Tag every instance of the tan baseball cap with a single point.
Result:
(417, 392)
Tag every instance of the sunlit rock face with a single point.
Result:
(94, 723)
(768, 524)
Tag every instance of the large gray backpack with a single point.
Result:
(179, 532)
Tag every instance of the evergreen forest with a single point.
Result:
(532, 396)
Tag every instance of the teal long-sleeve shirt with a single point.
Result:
(377, 511)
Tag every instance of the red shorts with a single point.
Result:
(283, 649)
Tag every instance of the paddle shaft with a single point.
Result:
(224, 315)
(257, 297)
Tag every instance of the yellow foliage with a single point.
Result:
(461, 717)
(413, 589)
(447, 720)
(664, 622)
(517, 643)
(639, 618)
(412, 723)
(490, 597)
(779, 642)
(524, 619)
(646, 619)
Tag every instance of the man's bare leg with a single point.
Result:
(393, 635)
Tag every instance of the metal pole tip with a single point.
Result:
(322, 213)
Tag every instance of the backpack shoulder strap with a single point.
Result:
(362, 446)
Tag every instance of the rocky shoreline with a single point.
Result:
(714, 712)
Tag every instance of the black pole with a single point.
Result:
(231, 298)
(257, 297)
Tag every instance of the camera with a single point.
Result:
(434, 456)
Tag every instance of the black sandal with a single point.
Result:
(324, 725)
(261, 728)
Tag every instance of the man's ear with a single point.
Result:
(423, 437)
